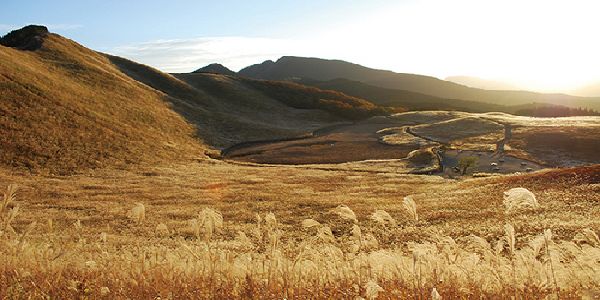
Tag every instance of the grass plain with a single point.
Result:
(87, 240)
(108, 194)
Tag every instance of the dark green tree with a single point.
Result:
(466, 163)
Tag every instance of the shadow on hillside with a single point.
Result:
(188, 102)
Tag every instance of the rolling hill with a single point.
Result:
(403, 98)
(293, 68)
(416, 101)
(65, 109)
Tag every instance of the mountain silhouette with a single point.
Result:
(294, 68)
(215, 69)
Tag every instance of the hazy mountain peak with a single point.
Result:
(307, 68)
(482, 83)
(215, 68)
(590, 90)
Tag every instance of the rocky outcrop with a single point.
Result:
(27, 38)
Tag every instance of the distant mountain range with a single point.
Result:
(591, 90)
(408, 90)
(302, 68)
(481, 83)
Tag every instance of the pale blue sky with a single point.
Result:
(102, 24)
(543, 45)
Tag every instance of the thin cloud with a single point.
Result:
(185, 55)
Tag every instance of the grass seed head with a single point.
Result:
(372, 289)
(587, 236)
(345, 213)
(9, 196)
(270, 221)
(310, 223)
(162, 230)
(519, 199)
(383, 217)
(411, 208)
(103, 237)
(209, 221)
(137, 213)
(509, 232)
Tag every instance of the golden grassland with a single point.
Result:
(65, 108)
(210, 229)
(109, 196)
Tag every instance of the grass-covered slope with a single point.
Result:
(335, 102)
(65, 108)
(403, 98)
(228, 109)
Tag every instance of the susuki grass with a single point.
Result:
(259, 260)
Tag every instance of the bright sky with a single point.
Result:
(540, 45)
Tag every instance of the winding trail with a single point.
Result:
(335, 145)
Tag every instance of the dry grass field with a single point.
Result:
(285, 232)
(106, 192)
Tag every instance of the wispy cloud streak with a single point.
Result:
(185, 55)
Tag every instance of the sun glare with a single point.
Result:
(540, 45)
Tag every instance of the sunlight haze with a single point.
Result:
(546, 46)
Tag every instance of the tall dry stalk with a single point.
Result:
(509, 232)
(9, 196)
(209, 222)
(410, 206)
(547, 240)
(587, 236)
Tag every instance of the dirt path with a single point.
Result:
(487, 162)
(334, 144)
(342, 143)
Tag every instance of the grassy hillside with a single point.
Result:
(227, 109)
(403, 98)
(335, 102)
(416, 101)
(289, 68)
(65, 108)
